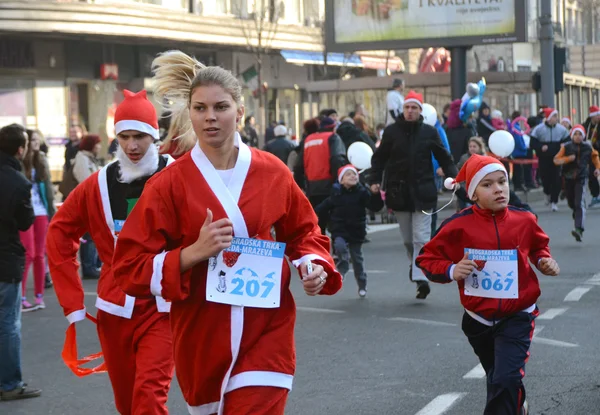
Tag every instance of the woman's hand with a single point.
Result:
(314, 281)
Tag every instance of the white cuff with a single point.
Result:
(451, 272)
(157, 273)
(76, 316)
(309, 257)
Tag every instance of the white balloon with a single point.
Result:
(429, 114)
(360, 154)
(502, 143)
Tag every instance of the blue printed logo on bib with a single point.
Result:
(119, 225)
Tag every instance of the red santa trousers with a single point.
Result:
(256, 400)
(139, 358)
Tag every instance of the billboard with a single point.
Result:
(353, 25)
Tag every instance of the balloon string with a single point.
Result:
(446, 205)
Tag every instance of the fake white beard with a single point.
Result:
(130, 171)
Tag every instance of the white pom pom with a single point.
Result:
(449, 183)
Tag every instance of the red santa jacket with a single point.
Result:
(87, 209)
(217, 347)
(511, 228)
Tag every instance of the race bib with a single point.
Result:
(247, 274)
(496, 275)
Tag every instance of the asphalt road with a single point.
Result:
(386, 354)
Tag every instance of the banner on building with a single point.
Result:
(398, 24)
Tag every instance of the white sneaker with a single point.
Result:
(362, 293)
(554, 207)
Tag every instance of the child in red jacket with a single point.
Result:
(487, 248)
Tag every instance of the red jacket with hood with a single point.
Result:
(511, 228)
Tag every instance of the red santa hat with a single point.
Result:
(344, 169)
(594, 110)
(579, 128)
(549, 113)
(567, 119)
(414, 97)
(136, 113)
(473, 171)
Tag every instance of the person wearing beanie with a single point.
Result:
(487, 250)
(346, 210)
(404, 159)
(546, 140)
(592, 129)
(134, 333)
(281, 147)
(319, 159)
(577, 157)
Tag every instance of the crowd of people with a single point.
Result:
(160, 235)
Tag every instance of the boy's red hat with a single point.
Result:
(579, 128)
(549, 113)
(344, 169)
(136, 113)
(594, 110)
(414, 97)
(474, 170)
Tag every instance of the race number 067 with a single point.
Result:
(497, 285)
(252, 287)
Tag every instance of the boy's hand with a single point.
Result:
(464, 268)
(571, 158)
(597, 172)
(548, 266)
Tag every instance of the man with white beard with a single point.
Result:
(134, 333)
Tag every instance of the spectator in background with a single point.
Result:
(547, 139)
(379, 133)
(72, 147)
(592, 128)
(34, 239)
(250, 135)
(566, 122)
(280, 146)
(395, 101)
(350, 134)
(310, 126)
(359, 109)
(362, 125)
(86, 163)
(484, 123)
(16, 214)
(270, 131)
(446, 113)
(537, 119)
(522, 177)
(331, 113)
(458, 134)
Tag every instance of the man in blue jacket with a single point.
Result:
(16, 214)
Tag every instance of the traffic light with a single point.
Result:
(560, 60)
(536, 81)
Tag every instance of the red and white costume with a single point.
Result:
(134, 333)
(222, 351)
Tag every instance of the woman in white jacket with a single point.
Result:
(86, 162)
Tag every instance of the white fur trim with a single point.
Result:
(344, 170)
(567, 119)
(157, 273)
(593, 114)
(414, 100)
(136, 125)
(105, 197)
(581, 130)
(162, 305)
(260, 378)
(307, 258)
(206, 409)
(484, 171)
(124, 311)
(552, 114)
(76, 316)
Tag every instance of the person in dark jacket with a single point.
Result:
(592, 129)
(250, 136)
(281, 146)
(72, 146)
(522, 176)
(346, 209)
(16, 214)
(576, 156)
(350, 134)
(484, 123)
(404, 159)
(458, 134)
(319, 159)
(546, 140)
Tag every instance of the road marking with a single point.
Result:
(476, 373)
(441, 404)
(320, 310)
(577, 293)
(552, 342)
(595, 280)
(537, 330)
(551, 313)
(418, 320)
(372, 271)
(380, 228)
(89, 293)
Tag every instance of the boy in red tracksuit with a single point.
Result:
(487, 248)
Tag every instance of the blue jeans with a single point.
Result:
(10, 336)
(346, 251)
(89, 256)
